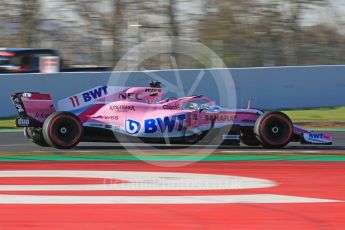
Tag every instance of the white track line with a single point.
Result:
(213, 199)
(139, 181)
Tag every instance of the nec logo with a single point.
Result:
(95, 93)
(129, 96)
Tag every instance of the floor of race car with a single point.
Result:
(14, 141)
(109, 188)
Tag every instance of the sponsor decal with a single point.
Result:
(41, 115)
(231, 137)
(18, 105)
(172, 107)
(95, 94)
(23, 122)
(315, 136)
(89, 96)
(75, 101)
(129, 96)
(132, 126)
(103, 117)
(153, 90)
(166, 124)
(96, 125)
(218, 117)
(122, 108)
(27, 95)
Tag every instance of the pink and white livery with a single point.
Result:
(126, 114)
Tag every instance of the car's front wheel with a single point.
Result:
(273, 129)
(62, 130)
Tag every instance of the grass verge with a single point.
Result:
(325, 117)
(7, 123)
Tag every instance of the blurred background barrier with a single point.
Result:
(90, 36)
(266, 87)
(243, 33)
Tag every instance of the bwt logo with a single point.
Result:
(315, 136)
(95, 93)
(167, 124)
(132, 126)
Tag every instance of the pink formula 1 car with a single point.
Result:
(122, 114)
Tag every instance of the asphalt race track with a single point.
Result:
(106, 186)
(16, 142)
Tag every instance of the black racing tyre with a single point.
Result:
(62, 130)
(249, 139)
(28, 132)
(274, 129)
(37, 137)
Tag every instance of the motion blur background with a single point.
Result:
(244, 33)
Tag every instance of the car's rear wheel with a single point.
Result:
(62, 130)
(28, 132)
(273, 129)
(37, 137)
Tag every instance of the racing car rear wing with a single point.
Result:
(16, 100)
(33, 108)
